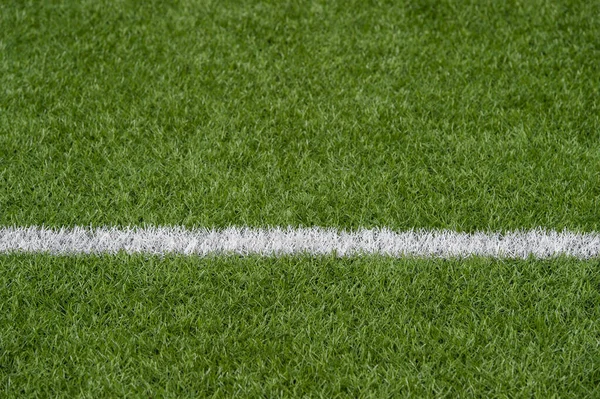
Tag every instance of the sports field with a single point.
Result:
(459, 116)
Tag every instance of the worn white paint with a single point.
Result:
(274, 241)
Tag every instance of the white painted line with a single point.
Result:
(291, 241)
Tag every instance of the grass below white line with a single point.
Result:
(289, 241)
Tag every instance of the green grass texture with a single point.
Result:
(468, 115)
(458, 114)
(133, 326)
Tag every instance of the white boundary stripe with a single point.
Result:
(288, 241)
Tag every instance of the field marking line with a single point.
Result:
(277, 241)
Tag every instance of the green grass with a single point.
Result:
(451, 114)
(250, 327)
(468, 115)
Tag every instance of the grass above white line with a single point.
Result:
(275, 241)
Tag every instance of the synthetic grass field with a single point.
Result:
(463, 115)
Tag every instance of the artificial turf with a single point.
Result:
(466, 115)
(436, 114)
(298, 326)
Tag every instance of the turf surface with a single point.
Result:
(468, 115)
(453, 114)
(252, 327)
